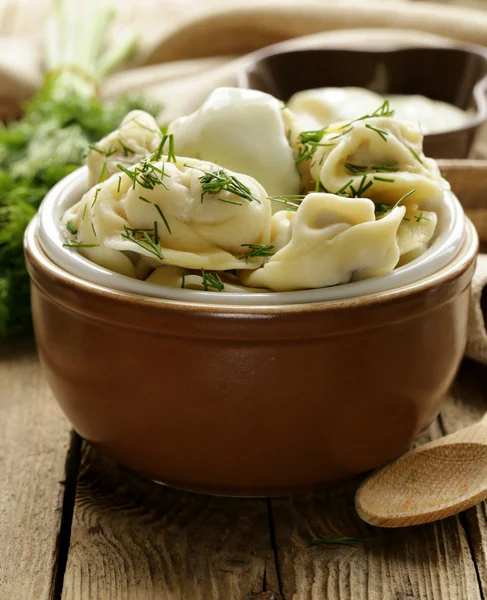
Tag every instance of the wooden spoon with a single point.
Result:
(431, 482)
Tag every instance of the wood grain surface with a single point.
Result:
(34, 441)
(135, 540)
(418, 563)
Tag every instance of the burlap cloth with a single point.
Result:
(189, 47)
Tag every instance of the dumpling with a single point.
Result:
(245, 131)
(137, 137)
(189, 214)
(379, 157)
(333, 238)
(322, 106)
(415, 233)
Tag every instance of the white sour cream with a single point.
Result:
(319, 107)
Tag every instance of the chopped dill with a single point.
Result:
(183, 278)
(415, 154)
(93, 229)
(71, 227)
(257, 250)
(103, 172)
(383, 134)
(143, 239)
(211, 280)
(76, 244)
(97, 191)
(161, 214)
(215, 182)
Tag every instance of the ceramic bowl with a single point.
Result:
(445, 245)
(250, 400)
(455, 75)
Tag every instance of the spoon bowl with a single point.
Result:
(434, 481)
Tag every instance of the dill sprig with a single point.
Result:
(257, 250)
(289, 201)
(211, 281)
(382, 209)
(383, 134)
(71, 228)
(183, 278)
(383, 111)
(215, 182)
(171, 156)
(344, 541)
(364, 185)
(142, 238)
(77, 244)
(415, 154)
(163, 217)
(420, 217)
(309, 142)
(146, 175)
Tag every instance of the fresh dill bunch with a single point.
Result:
(46, 144)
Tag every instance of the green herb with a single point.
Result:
(84, 211)
(183, 278)
(382, 209)
(309, 142)
(345, 541)
(343, 188)
(76, 244)
(103, 173)
(376, 178)
(146, 175)
(145, 200)
(356, 169)
(119, 183)
(343, 132)
(317, 185)
(420, 217)
(383, 111)
(171, 156)
(93, 229)
(403, 198)
(156, 233)
(126, 150)
(71, 228)
(383, 134)
(288, 200)
(415, 154)
(389, 166)
(212, 281)
(218, 181)
(443, 175)
(257, 250)
(143, 239)
(230, 202)
(97, 191)
(159, 210)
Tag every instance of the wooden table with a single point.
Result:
(74, 525)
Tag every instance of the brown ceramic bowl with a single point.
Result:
(454, 75)
(250, 400)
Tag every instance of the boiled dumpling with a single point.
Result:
(190, 214)
(245, 131)
(137, 137)
(380, 158)
(332, 239)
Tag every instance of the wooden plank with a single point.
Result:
(34, 439)
(467, 405)
(135, 540)
(420, 563)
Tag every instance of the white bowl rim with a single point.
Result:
(70, 189)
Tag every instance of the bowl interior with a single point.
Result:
(446, 243)
(453, 75)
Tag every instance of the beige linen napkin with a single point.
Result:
(190, 47)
